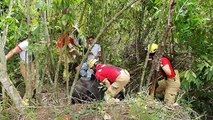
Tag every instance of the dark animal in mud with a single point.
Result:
(88, 90)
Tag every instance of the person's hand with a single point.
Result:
(106, 82)
(107, 86)
(77, 68)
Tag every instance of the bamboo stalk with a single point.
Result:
(47, 37)
(28, 79)
(82, 14)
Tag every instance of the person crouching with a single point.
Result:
(115, 78)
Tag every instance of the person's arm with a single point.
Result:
(106, 82)
(99, 54)
(70, 45)
(166, 69)
(13, 52)
(83, 69)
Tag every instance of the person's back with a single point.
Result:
(165, 62)
(107, 71)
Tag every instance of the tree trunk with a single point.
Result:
(4, 79)
(7, 83)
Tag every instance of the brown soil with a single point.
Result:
(85, 112)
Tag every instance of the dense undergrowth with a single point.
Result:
(138, 107)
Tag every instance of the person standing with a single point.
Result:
(69, 51)
(95, 53)
(170, 86)
(27, 60)
(70, 42)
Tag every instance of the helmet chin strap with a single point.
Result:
(150, 59)
(151, 55)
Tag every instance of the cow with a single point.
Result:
(89, 90)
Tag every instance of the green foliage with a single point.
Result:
(194, 28)
(144, 107)
(198, 79)
(193, 35)
(189, 80)
(198, 86)
(139, 111)
(31, 114)
(4, 116)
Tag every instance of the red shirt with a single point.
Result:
(165, 61)
(107, 71)
(61, 40)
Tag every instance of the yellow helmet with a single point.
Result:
(92, 62)
(152, 47)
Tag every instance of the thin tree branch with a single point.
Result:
(82, 14)
(4, 37)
